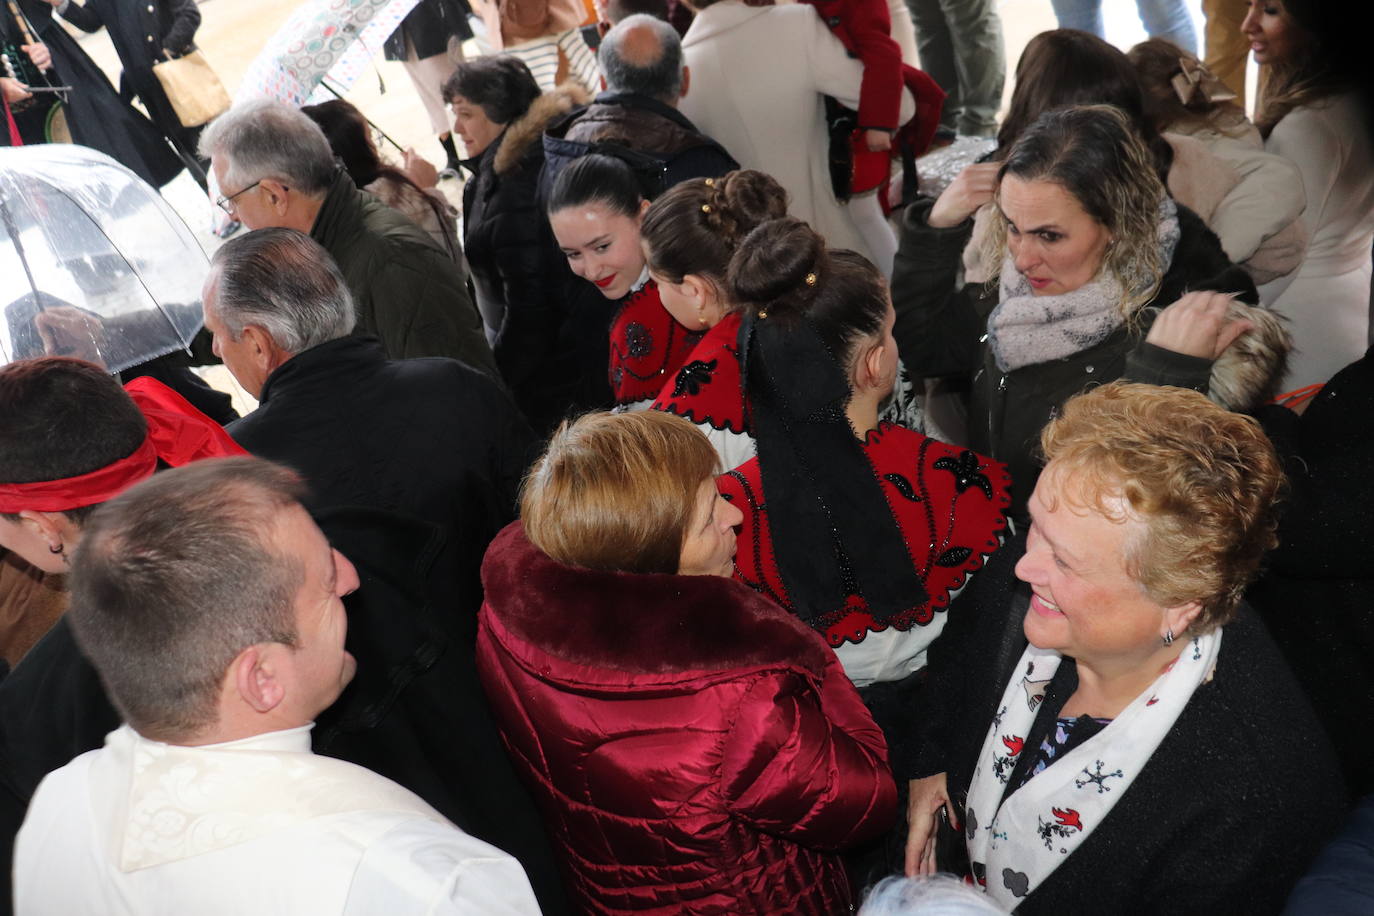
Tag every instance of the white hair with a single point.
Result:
(932, 895)
(266, 139)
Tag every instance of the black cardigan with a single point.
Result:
(1224, 818)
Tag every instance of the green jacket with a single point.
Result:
(406, 291)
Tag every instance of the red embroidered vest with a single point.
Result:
(949, 503)
(647, 346)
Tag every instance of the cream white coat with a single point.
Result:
(1327, 299)
(758, 77)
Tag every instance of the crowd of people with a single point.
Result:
(701, 520)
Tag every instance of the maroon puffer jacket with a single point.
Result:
(694, 748)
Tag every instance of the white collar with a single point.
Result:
(182, 802)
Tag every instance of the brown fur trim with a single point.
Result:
(627, 622)
(529, 127)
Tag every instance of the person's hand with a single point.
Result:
(924, 800)
(67, 331)
(1198, 325)
(13, 90)
(969, 190)
(420, 170)
(38, 53)
(877, 140)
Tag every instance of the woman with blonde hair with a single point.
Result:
(1111, 720)
(1090, 249)
(1311, 113)
(694, 747)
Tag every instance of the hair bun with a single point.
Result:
(779, 267)
(743, 199)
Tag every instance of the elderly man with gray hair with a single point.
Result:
(211, 604)
(433, 452)
(274, 168)
(641, 61)
(438, 440)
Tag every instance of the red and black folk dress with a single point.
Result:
(950, 505)
(709, 391)
(647, 347)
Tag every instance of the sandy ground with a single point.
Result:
(232, 32)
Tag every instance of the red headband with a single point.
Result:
(177, 433)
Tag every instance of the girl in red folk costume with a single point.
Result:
(689, 235)
(595, 209)
(864, 529)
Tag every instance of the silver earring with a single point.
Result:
(1169, 637)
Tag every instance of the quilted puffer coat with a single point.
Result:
(694, 748)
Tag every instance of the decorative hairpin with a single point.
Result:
(705, 208)
(763, 314)
(810, 279)
(1195, 84)
(710, 182)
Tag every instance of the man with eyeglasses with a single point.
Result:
(274, 168)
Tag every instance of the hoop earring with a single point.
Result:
(60, 550)
(1169, 637)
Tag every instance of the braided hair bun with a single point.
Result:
(695, 227)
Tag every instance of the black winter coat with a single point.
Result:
(1226, 815)
(659, 132)
(941, 331)
(1317, 594)
(550, 351)
(96, 116)
(431, 439)
(140, 31)
(429, 26)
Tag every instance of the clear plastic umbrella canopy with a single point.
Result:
(93, 262)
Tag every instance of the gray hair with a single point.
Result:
(266, 139)
(933, 895)
(658, 75)
(283, 281)
(177, 576)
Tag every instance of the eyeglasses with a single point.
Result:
(227, 203)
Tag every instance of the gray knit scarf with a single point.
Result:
(1026, 329)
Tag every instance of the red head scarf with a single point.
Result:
(177, 433)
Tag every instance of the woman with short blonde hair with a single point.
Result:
(693, 747)
(1111, 691)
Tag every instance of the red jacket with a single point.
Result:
(864, 27)
(694, 748)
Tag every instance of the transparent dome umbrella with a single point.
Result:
(93, 262)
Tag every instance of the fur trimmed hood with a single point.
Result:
(530, 126)
(629, 623)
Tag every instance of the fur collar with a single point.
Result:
(627, 622)
(530, 126)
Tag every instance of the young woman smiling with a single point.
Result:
(595, 208)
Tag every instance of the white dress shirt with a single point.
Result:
(261, 825)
